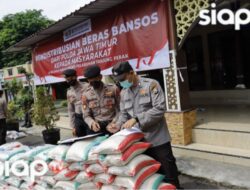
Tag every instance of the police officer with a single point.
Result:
(3, 115)
(100, 102)
(74, 95)
(143, 104)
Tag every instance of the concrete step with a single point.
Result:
(223, 134)
(213, 152)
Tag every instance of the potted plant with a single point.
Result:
(14, 113)
(44, 113)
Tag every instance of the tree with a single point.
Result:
(16, 27)
(44, 110)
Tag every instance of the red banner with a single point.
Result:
(135, 31)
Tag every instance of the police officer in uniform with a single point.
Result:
(143, 105)
(74, 95)
(100, 102)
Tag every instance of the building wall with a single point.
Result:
(13, 72)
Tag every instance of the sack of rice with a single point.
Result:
(133, 167)
(84, 177)
(123, 158)
(59, 152)
(95, 169)
(118, 143)
(9, 146)
(88, 186)
(103, 178)
(35, 151)
(112, 187)
(48, 180)
(66, 185)
(56, 166)
(152, 182)
(66, 175)
(77, 166)
(39, 187)
(79, 151)
(166, 186)
(136, 182)
(7, 154)
(44, 155)
(14, 181)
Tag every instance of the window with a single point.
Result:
(10, 72)
(19, 70)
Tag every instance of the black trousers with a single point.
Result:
(27, 119)
(164, 155)
(3, 131)
(81, 127)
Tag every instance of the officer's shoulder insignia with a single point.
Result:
(108, 92)
(143, 92)
(154, 87)
(84, 106)
(84, 102)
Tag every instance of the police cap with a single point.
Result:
(120, 69)
(92, 71)
(69, 72)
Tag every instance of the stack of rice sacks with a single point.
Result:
(16, 151)
(99, 163)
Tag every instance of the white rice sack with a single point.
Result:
(39, 187)
(59, 152)
(67, 185)
(26, 186)
(112, 187)
(15, 135)
(79, 151)
(123, 158)
(104, 178)
(92, 156)
(166, 186)
(44, 184)
(84, 177)
(133, 167)
(95, 169)
(88, 186)
(9, 146)
(118, 143)
(136, 182)
(12, 188)
(14, 181)
(77, 166)
(152, 182)
(17, 157)
(30, 155)
(56, 166)
(48, 179)
(6, 155)
(43, 155)
(66, 175)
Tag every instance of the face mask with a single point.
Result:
(72, 82)
(126, 84)
(95, 84)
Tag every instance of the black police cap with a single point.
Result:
(92, 71)
(120, 69)
(69, 72)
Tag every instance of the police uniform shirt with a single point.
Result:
(101, 104)
(146, 102)
(74, 95)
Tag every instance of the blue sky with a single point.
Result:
(53, 9)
